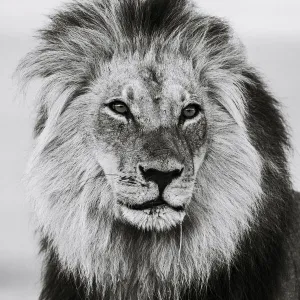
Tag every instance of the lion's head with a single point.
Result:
(143, 168)
(149, 138)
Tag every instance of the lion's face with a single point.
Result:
(150, 140)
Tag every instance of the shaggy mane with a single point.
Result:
(242, 196)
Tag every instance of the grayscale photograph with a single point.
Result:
(150, 150)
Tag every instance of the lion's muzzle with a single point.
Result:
(170, 194)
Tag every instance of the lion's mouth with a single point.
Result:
(156, 214)
(156, 204)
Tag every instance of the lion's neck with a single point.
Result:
(253, 266)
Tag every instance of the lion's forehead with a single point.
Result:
(148, 78)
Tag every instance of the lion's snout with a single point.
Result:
(161, 178)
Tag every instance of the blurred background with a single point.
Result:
(270, 31)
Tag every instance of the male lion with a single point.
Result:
(159, 169)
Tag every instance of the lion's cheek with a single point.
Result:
(177, 195)
(135, 194)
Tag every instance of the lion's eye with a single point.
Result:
(119, 107)
(191, 111)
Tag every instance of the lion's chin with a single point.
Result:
(160, 218)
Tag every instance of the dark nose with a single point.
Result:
(162, 179)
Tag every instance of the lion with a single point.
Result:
(159, 169)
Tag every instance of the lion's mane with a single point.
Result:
(242, 193)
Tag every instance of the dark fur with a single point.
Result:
(256, 271)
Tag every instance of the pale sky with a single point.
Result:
(246, 16)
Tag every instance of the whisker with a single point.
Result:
(180, 244)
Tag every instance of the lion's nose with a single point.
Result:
(161, 178)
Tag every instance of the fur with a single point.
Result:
(238, 195)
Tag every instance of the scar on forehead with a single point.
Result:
(128, 92)
(151, 74)
(185, 96)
